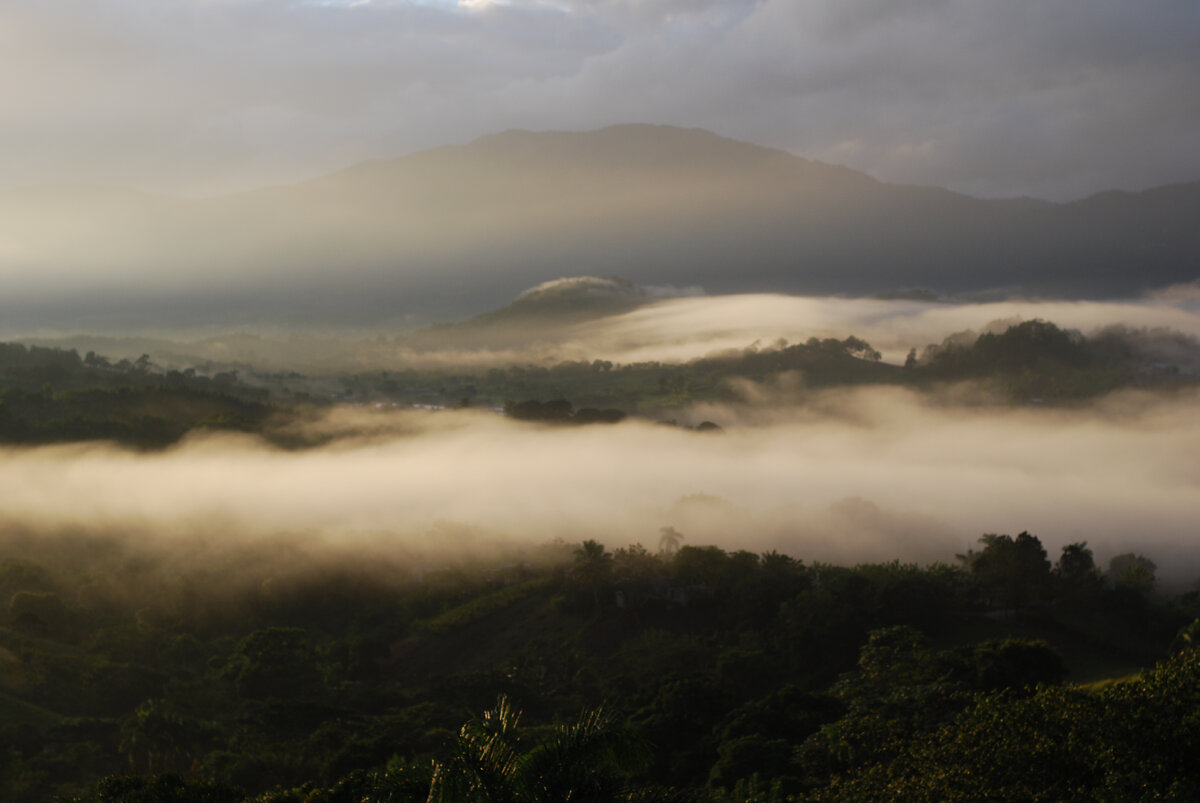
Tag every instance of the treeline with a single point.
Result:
(636, 388)
(1034, 361)
(1038, 360)
(560, 411)
(267, 671)
(55, 396)
(1030, 362)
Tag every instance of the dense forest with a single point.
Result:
(137, 669)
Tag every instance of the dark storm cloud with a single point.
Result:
(1049, 99)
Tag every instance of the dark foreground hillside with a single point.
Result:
(144, 669)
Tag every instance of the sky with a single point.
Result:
(1054, 99)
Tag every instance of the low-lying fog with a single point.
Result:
(666, 329)
(687, 328)
(868, 475)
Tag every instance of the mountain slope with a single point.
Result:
(450, 231)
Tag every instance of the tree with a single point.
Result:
(861, 349)
(168, 788)
(588, 760)
(94, 360)
(635, 562)
(275, 662)
(1128, 741)
(1076, 562)
(668, 540)
(593, 567)
(1015, 664)
(158, 739)
(708, 565)
(1013, 572)
(1134, 572)
(1076, 571)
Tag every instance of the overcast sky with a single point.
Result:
(1049, 98)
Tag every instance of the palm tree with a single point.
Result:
(587, 760)
(668, 540)
(482, 768)
(591, 553)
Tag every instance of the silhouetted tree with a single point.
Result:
(668, 540)
(1078, 578)
(1014, 572)
(593, 567)
(1134, 572)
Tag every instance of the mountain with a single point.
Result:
(450, 231)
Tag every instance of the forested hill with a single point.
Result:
(52, 395)
(256, 671)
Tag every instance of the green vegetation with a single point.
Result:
(53, 396)
(1034, 361)
(651, 389)
(265, 672)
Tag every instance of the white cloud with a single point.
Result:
(687, 328)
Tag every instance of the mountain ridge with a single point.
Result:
(452, 231)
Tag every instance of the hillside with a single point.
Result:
(268, 671)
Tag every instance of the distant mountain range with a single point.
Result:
(452, 231)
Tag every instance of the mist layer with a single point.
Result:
(858, 476)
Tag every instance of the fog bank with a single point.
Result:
(686, 328)
(868, 475)
(666, 330)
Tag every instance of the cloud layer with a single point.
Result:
(687, 328)
(867, 475)
(1051, 100)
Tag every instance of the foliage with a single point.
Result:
(1129, 741)
(478, 607)
(1135, 572)
(586, 760)
(1014, 572)
(51, 396)
(714, 674)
